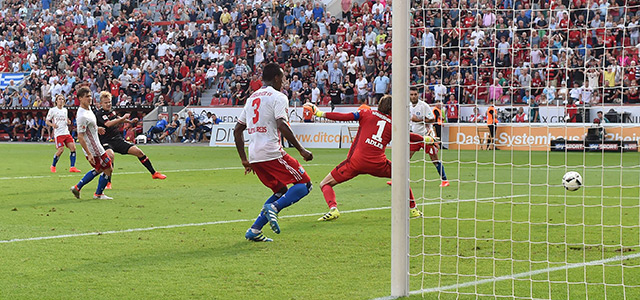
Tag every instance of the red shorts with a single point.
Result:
(431, 149)
(63, 140)
(278, 173)
(100, 163)
(349, 169)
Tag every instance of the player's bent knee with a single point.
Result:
(281, 192)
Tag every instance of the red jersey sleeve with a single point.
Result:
(336, 116)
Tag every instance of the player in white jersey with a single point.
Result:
(58, 118)
(421, 118)
(99, 159)
(265, 117)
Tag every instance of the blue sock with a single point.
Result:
(262, 220)
(87, 178)
(55, 160)
(102, 183)
(72, 158)
(440, 169)
(293, 195)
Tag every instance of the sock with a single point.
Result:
(412, 201)
(102, 183)
(440, 169)
(262, 220)
(55, 160)
(329, 196)
(293, 195)
(72, 158)
(87, 178)
(144, 160)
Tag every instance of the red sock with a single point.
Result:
(329, 195)
(412, 202)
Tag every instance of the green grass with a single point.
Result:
(513, 217)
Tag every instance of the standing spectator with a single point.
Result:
(295, 85)
(492, 123)
(495, 91)
(534, 111)
(322, 77)
(382, 84)
(336, 75)
(314, 93)
(361, 87)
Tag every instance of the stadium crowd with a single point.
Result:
(168, 52)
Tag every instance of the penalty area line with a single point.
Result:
(96, 233)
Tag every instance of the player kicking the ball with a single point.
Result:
(421, 118)
(112, 137)
(264, 115)
(58, 118)
(99, 159)
(366, 155)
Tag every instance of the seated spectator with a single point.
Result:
(5, 125)
(160, 126)
(171, 127)
(191, 128)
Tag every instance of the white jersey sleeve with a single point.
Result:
(242, 119)
(281, 107)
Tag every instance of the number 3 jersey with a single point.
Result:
(259, 114)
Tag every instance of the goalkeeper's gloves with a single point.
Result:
(430, 140)
(319, 113)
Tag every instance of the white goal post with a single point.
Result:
(400, 150)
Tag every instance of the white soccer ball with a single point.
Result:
(572, 181)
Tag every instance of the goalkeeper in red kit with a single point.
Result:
(366, 155)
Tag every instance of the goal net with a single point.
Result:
(562, 77)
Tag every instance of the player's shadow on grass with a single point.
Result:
(54, 203)
(210, 252)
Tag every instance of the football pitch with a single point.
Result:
(504, 216)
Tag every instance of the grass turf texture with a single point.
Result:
(344, 259)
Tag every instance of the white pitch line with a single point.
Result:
(139, 172)
(619, 258)
(121, 173)
(225, 222)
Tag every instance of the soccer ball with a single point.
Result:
(572, 181)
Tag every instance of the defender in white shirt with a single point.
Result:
(265, 117)
(58, 118)
(100, 159)
(421, 119)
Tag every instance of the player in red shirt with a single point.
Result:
(366, 155)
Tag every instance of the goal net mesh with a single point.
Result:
(506, 227)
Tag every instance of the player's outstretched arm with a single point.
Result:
(238, 136)
(118, 121)
(354, 116)
(288, 134)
